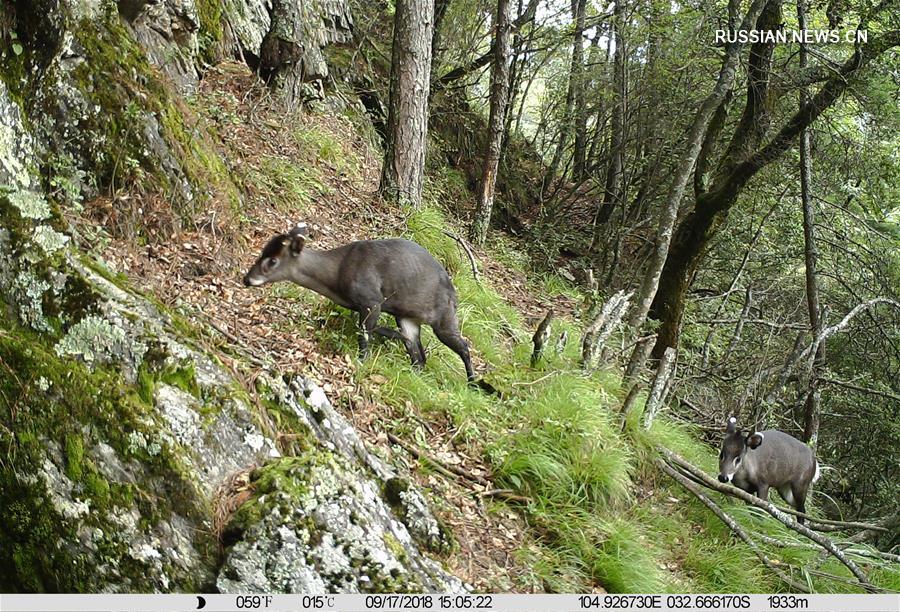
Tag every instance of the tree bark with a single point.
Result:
(402, 174)
(499, 102)
(575, 70)
(694, 233)
(811, 409)
(669, 212)
(580, 110)
(613, 193)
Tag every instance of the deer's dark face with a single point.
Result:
(275, 261)
(735, 447)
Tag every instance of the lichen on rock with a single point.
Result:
(96, 340)
(30, 205)
(316, 525)
(124, 427)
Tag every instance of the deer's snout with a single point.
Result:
(723, 478)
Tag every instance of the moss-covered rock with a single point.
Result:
(314, 525)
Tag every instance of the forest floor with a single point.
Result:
(548, 488)
(198, 271)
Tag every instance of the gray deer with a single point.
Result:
(764, 459)
(370, 277)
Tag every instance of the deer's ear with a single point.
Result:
(731, 425)
(297, 242)
(754, 440)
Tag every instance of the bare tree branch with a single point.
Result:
(732, 524)
(776, 512)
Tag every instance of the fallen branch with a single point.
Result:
(702, 478)
(508, 494)
(732, 524)
(452, 471)
(846, 547)
(465, 246)
(773, 510)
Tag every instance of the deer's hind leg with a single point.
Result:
(799, 495)
(410, 330)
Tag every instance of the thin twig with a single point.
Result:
(465, 246)
(451, 471)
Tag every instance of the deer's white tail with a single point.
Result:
(816, 475)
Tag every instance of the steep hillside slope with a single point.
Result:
(165, 428)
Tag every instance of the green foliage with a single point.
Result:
(296, 186)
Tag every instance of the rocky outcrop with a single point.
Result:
(291, 52)
(284, 39)
(122, 436)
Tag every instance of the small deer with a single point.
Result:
(765, 459)
(370, 277)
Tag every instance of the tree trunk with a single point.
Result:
(499, 101)
(565, 129)
(669, 212)
(613, 193)
(697, 229)
(811, 409)
(404, 159)
(580, 110)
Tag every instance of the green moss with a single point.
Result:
(61, 400)
(114, 75)
(210, 13)
(14, 58)
(280, 483)
(74, 456)
(30, 559)
(183, 377)
(396, 548)
(201, 162)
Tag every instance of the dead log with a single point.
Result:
(603, 325)
(562, 342)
